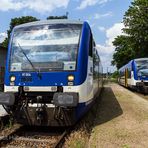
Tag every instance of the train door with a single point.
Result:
(126, 77)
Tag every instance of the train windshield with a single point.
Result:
(142, 67)
(45, 48)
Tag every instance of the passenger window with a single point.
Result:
(91, 46)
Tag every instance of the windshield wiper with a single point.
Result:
(38, 72)
(26, 57)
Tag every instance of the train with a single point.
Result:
(134, 75)
(53, 73)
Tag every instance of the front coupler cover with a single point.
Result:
(7, 98)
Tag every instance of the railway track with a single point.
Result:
(22, 136)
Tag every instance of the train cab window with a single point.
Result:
(91, 46)
(49, 47)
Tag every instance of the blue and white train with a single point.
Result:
(135, 75)
(53, 72)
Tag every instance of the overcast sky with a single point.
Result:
(104, 16)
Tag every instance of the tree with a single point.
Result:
(115, 75)
(123, 52)
(57, 17)
(17, 21)
(136, 23)
(135, 43)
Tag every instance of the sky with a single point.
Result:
(104, 16)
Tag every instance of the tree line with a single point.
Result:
(26, 19)
(134, 43)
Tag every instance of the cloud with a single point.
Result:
(113, 32)
(98, 16)
(6, 5)
(86, 3)
(101, 28)
(40, 6)
(106, 51)
(2, 37)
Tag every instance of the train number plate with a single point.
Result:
(40, 89)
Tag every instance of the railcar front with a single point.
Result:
(49, 73)
(140, 68)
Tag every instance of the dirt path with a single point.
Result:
(122, 120)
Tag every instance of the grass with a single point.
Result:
(79, 138)
(125, 146)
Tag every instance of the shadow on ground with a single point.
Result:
(108, 108)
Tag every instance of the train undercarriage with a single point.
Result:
(43, 108)
(142, 87)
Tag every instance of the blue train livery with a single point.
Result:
(53, 72)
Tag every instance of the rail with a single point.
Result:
(31, 137)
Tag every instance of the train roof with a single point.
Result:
(141, 59)
(138, 59)
(55, 21)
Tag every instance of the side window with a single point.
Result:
(91, 46)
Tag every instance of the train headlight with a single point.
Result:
(71, 78)
(12, 78)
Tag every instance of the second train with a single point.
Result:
(134, 75)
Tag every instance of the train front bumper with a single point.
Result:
(66, 99)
